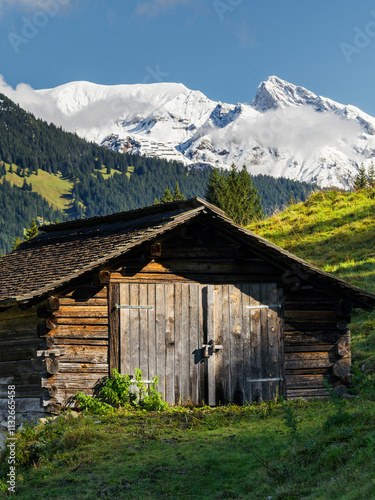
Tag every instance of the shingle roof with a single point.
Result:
(67, 251)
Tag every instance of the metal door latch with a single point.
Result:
(211, 348)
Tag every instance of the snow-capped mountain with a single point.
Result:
(286, 131)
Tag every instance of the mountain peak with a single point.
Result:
(276, 93)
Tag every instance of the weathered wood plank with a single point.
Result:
(114, 329)
(143, 332)
(82, 331)
(201, 333)
(195, 310)
(178, 343)
(80, 341)
(211, 361)
(86, 311)
(85, 354)
(218, 336)
(169, 344)
(151, 338)
(274, 348)
(256, 343)
(318, 337)
(20, 334)
(85, 368)
(94, 302)
(88, 321)
(309, 381)
(317, 317)
(236, 344)
(265, 315)
(134, 326)
(125, 326)
(246, 334)
(160, 335)
(187, 357)
(306, 393)
(227, 381)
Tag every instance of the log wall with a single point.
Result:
(19, 363)
(317, 343)
(77, 339)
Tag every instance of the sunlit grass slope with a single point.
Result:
(54, 188)
(333, 230)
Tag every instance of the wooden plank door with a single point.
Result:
(206, 343)
(245, 320)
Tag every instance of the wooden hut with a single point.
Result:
(179, 291)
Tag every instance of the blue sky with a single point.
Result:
(224, 48)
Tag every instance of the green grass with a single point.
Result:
(333, 230)
(54, 188)
(231, 452)
(103, 171)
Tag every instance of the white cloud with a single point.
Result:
(150, 8)
(94, 117)
(300, 130)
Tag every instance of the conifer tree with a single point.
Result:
(214, 189)
(167, 196)
(371, 176)
(32, 231)
(235, 194)
(361, 179)
(177, 195)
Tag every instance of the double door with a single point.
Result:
(210, 344)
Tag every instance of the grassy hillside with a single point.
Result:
(316, 450)
(52, 187)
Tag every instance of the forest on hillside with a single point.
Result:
(103, 181)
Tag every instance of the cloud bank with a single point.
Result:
(300, 130)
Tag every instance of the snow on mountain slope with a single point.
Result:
(286, 131)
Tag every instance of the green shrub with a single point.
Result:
(116, 394)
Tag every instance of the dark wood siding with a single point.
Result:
(80, 334)
(19, 364)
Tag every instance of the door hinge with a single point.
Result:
(264, 379)
(272, 306)
(117, 306)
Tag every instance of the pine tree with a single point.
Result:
(32, 231)
(371, 176)
(214, 189)
(235, 194)
(177, 195)
(167, 196)
(361, 179)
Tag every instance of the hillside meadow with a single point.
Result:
(276, 450)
